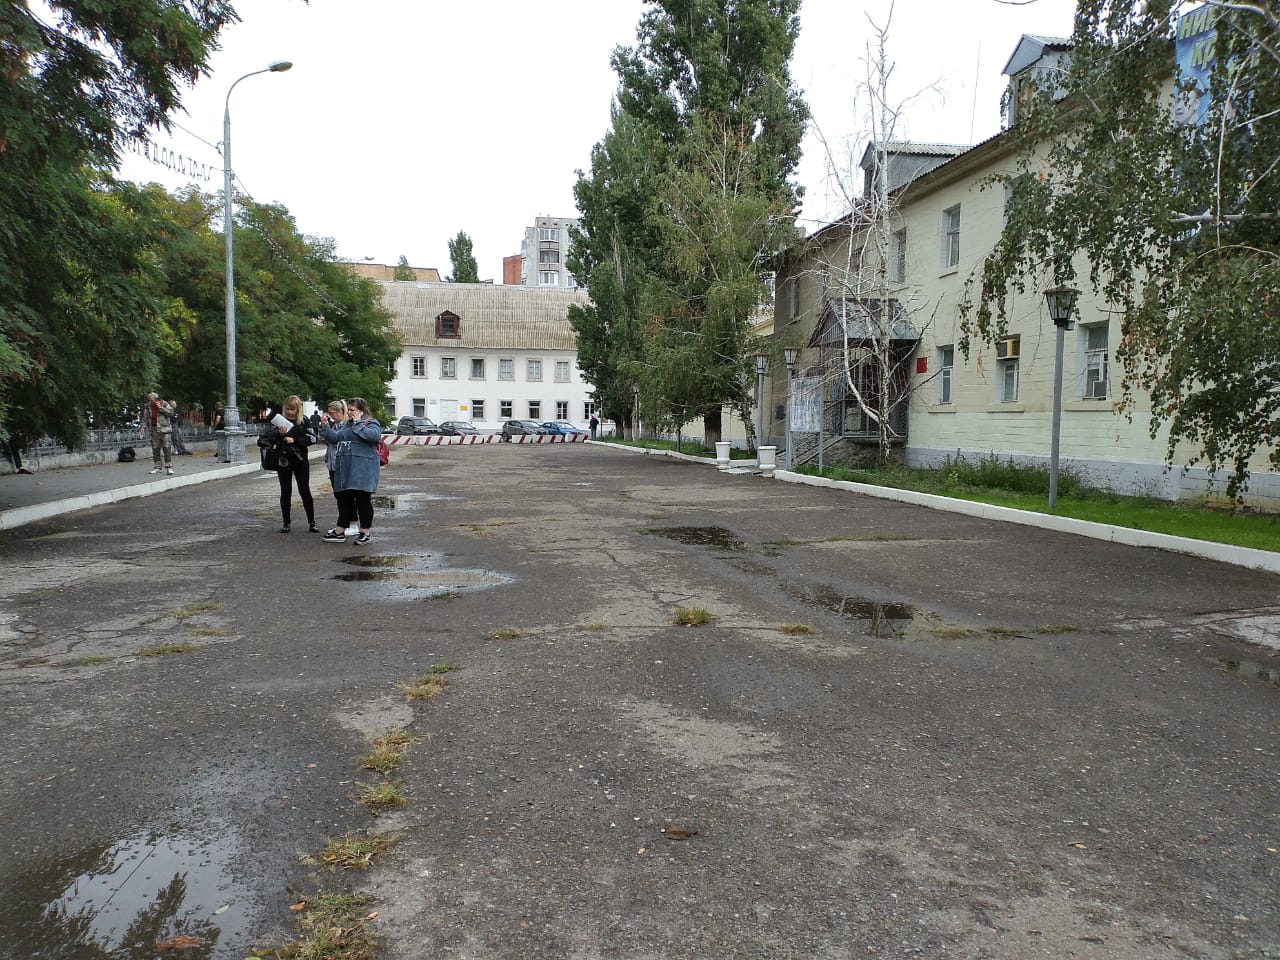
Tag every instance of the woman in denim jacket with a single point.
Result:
(354, 446)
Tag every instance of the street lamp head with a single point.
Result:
(789, 355)
(1061, 301)
(762, 363)
(279, 66)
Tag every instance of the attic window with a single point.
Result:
(448, 324)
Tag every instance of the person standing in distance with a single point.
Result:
(295, 440)
(158, 418)
(355, 469)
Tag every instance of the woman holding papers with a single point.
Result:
(295, 437)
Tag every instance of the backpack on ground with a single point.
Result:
(126, 455)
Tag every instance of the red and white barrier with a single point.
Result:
(398, 440)
(548, 438)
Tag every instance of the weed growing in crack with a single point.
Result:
(380, 797)
(354, 851)
(691, 617)
(166, 649)
(387, 751)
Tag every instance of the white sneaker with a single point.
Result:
(169, 471)
(156, 470)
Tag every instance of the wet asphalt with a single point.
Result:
(900, 733)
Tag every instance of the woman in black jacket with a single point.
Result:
(293, 442)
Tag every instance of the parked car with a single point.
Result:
(528, 428)
(417, 427)
(457, 428)
(563, 427)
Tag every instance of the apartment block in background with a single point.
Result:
(546, 246)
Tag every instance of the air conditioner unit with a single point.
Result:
(1007, 349)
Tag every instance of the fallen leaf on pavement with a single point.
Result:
(178, 943)
(300, 905)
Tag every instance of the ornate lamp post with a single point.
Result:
(231, 444)
(789, 355)
(762, 364)
(635, 412)
(1061, 301)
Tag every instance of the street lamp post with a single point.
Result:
(635, 412)
(1061, 301)
(789, 355)
(762, 364)
(231, 444)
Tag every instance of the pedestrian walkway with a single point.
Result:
(27, 498)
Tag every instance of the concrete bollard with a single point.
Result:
(767, 460)
(722, 454)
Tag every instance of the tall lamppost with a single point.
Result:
(1061, 301)
(231, 447)
(762, 364)
(789, 355)
(635, 412)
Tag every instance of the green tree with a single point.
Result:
(1175, 223)
(708, 91)
(74, 287)
(403, 271)
(464, 262)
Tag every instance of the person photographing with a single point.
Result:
(354, 445)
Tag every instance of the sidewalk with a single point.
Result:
(27, 498)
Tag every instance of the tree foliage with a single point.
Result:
(75, 284)
(688, 198)
(463, 260)
(1173, 225)
(403, 271)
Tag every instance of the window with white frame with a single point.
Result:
(1093, 339)
(504, 409)
(535, 409)
(951, 236)
(562, 409)
(506, 369)
(547, 233)
(477, 368)
(549, 278)
(898, 256)
(946, 364)
(533, 371)
(448, 368)
(477, 409)
(562, 371)
(390, 405)
(588, 409)
(1008, 351)
(419, 366)
(419, 406)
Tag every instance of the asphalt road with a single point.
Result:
(902, 733)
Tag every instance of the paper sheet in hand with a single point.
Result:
(279, 421)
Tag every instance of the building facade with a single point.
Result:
(543, 254)
(486, 354)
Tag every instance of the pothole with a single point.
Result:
(383, 502)
(716, 538)
(126, 901)
(879, 618)
(414, 573)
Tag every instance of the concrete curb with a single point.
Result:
(1222, 552)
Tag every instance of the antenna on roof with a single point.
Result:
(977, 72)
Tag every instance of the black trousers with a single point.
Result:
(299, 472)
(353, 504)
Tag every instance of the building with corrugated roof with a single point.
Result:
(486, 353)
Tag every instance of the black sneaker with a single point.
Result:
(312, 528)
(284, 528)
(333, 536)
(362, 539)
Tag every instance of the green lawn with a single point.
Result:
(1028, 489)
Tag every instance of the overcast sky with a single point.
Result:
(405, 121)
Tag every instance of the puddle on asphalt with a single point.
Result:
(383, 503)
(141, 897)
(1249, 668)
(416, 572)
(878, 618)
(716, 538)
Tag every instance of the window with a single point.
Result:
(951, 236)
(504, 409)
(562, 372)
(946, 361)
(419, 366)
(448, 368)
(898, 256)
(448, 324)
(477, 409)
(1007, 352)
(546, 233)
(533, 371)
(419, 406)
(588, 409)
(562, 409)
(548, 256)
(535, 409)
(1094, 340)
(549, 278)
(506, 370)
(477, 368)
(390, 404)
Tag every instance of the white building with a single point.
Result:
(486, 354)
(542, 256)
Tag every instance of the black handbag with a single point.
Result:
(274, 458)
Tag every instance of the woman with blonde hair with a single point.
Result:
(294, 441)
(355, 468)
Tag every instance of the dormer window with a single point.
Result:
(448, 324)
